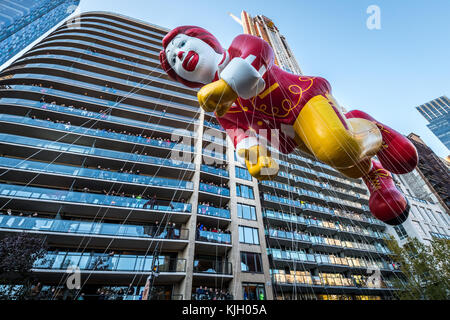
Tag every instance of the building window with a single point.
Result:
(253, 291)
(401, 232)
(246, 211)
(242, 173)
(244, 191)
(248, 235)
(251, 262)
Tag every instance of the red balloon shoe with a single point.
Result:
(386, 202)
(397, 154)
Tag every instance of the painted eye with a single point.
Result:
(182, 43)
(174, 59)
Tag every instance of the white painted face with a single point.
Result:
(192, 59)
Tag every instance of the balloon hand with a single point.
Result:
(216, 96)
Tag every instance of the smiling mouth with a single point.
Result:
(190, 61)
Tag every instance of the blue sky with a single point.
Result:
(384, 72)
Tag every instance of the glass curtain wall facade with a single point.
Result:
(123, 173)
(23, 21)
(437, 112)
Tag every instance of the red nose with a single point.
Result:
(180, 55)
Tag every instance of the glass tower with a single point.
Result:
(127, 178)
(23, 21)
(437, 112)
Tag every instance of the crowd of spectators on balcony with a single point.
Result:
(204, 233)
(210, 204)
(161, 141)
(205, 293)
(40, 292)
(169, 230)
(286, 229)
(219, 166)
(9, 212)
(201, 227)
(218, 185)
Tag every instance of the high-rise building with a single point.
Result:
(437, 112)
(23, 21)
(433, 171)
(263, 27)
(428, 219)
(123, 173)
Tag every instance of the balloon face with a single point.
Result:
(192, 59)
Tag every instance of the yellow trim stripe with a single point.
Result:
(268, 90)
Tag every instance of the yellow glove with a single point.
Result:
(259, 163)
(216, 96)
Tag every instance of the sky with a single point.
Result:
(385, 72)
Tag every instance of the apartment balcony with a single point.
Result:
(109, 268)
(56, 175)
(212, 157)
(210, 271)
(209, 192)
(363, 250)
(284, 219)
(292, 259)
(347, 233)
(327, 263)
(316, 284)
(286, 204)
(110, 119)
(216, 216)
(321, 227)
(90, 205)
(326, 244)
(214, 141)
(288, 238)
(25, 147)
(208, 242)
(76, 233)
(211, 125)
(216, 175)
(85, 76)
(73, 93)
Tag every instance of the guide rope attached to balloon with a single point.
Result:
(258, 103)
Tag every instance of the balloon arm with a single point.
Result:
(243, 78)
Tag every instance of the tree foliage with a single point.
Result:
(18, 253)
(425, 269)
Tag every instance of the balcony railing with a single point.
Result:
(209, 169)
(81, 98)
(108, 262)
(65, 147)
(214, 154)
(213, 125)
(214, 212)
(212, 267)
(214, 189)
(94, 132)
(324, 281)
(351, 262)
(36, 166)
(286, 217)
(316, 208)
(290, 235)
(213, 237)
(23, 192)
(91, 228)
(292, 255)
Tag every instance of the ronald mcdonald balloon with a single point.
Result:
(259, 104)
